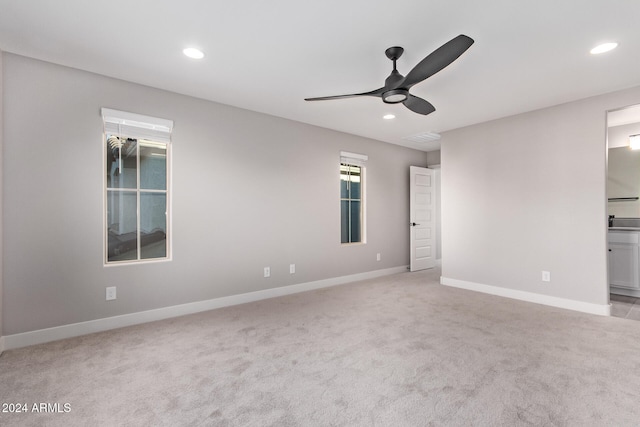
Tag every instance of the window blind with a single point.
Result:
(353, 158)
(138, 126)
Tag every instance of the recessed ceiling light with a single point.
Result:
(604, 47)
(194, 53)
(388, 117)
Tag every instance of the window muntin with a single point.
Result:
(351, 203)
(136, 202)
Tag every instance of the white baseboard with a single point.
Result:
(622, 291)
(585, 307)
(76, 329)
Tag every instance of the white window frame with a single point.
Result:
(355, 159)
(140, 127)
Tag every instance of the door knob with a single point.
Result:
(413, 224)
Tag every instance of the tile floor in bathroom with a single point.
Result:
(625, 307)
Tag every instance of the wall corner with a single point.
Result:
(1, 198)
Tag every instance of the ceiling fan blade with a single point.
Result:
(419, 105)
(377, 92)
(437, 60)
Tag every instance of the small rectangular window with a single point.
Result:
(352, 207)
(137, 199)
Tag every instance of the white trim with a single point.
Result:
(353, 158)
(569, 304)
(363, 198)
(138, 120)
(76, 329)
(136, 125)
(623, 291)
(363, 205)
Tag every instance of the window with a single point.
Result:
(137, 199)
(352, 197)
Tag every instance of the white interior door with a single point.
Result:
(422, 218)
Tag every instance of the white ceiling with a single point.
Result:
(268, 56)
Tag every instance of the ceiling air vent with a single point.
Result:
(423, 137)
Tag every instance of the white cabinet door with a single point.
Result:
(623, 266)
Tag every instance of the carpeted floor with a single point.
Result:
(400, 350)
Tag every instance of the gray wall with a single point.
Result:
(433, 161)
(433, 158)
(527, 193)
(249, 191)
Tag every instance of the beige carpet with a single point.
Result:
(401, 350)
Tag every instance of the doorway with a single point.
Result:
(623, 210)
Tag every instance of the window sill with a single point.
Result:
(136, 262)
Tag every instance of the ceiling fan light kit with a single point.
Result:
(395, 96)
(396, 86)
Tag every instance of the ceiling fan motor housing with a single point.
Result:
(395, 94)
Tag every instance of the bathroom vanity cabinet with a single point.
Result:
(624, 261)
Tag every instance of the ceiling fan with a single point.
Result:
(396, 86)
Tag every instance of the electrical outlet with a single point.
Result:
(111, 293)
(267, 272)
(292, 268)
(546, 276)
(378, 257)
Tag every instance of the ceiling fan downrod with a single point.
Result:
(395, 95)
